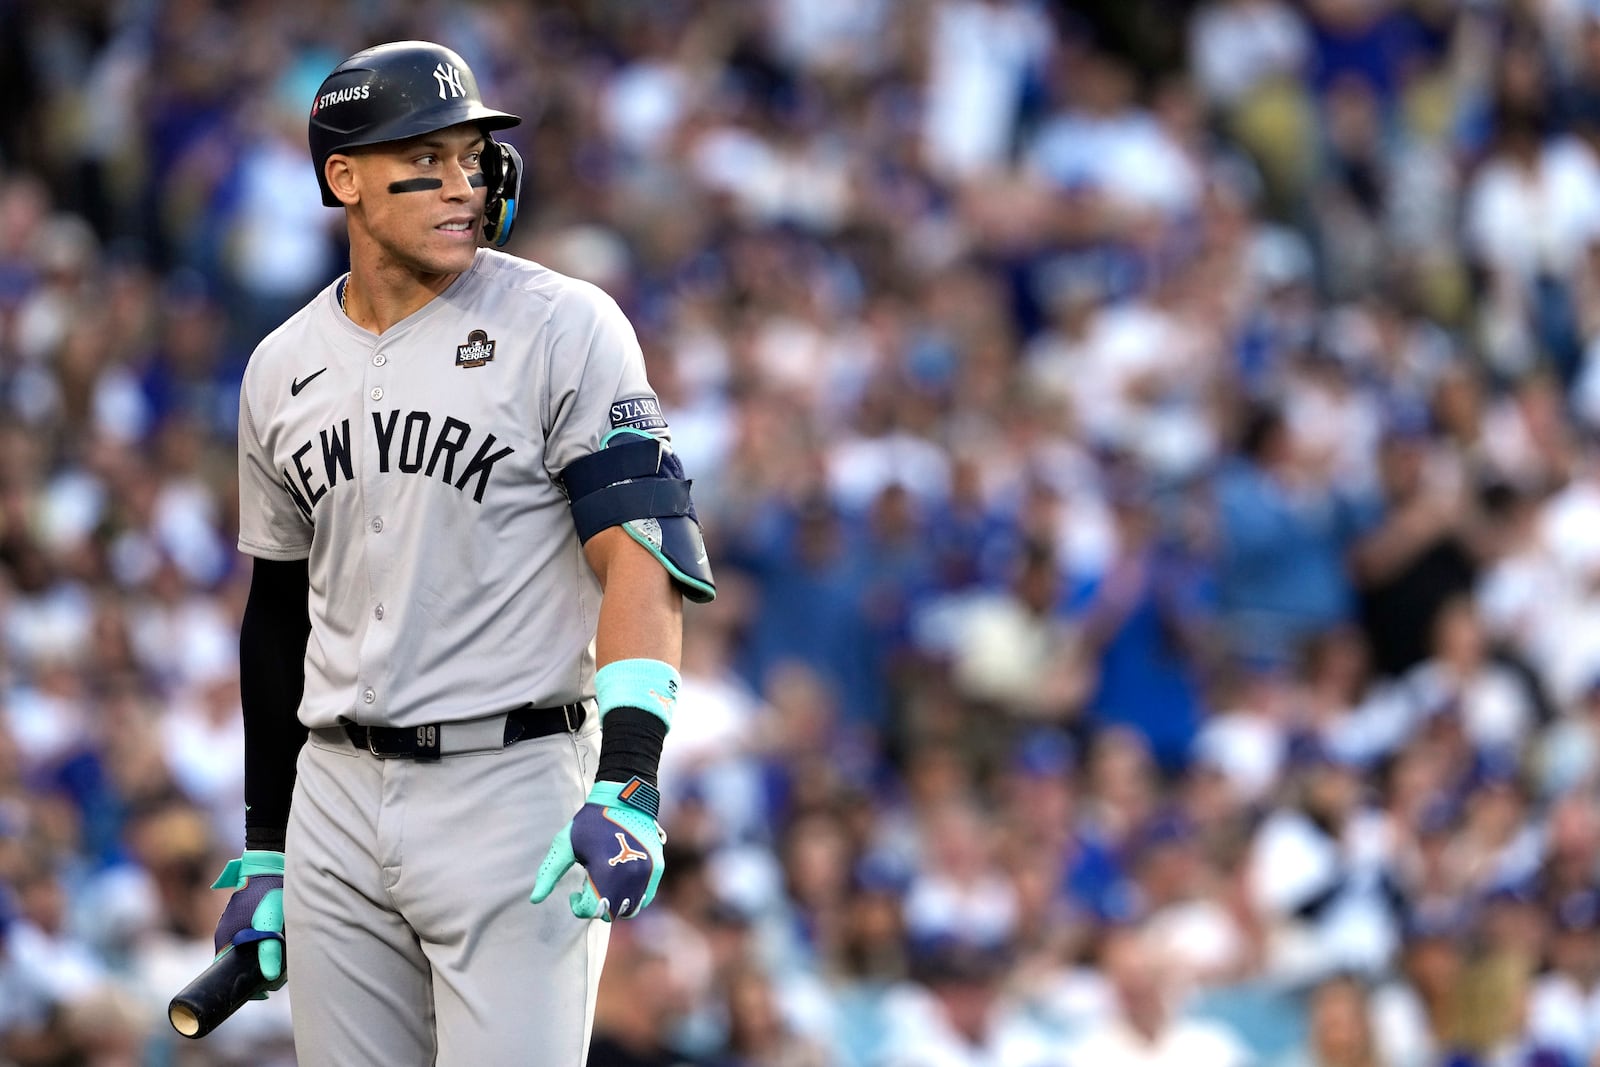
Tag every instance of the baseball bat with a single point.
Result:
(208, 1001)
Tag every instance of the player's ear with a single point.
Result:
(339, 170)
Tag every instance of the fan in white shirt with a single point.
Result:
(1146, 1030)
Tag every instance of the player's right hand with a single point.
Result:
(616, 838)
(255, 913)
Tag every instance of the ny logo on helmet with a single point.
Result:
(448, 77)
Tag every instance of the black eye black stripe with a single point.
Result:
(423, 185)
(416, 185)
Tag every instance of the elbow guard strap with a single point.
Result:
(633, 481)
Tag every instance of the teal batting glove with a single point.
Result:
(617, 839)
(254, 915)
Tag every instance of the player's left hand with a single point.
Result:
(616, 838)
(254, 914)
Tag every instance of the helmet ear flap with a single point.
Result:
(502, 172)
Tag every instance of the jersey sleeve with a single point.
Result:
(597, 379)
(271, 526)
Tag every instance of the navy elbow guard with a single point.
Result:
(633, 481)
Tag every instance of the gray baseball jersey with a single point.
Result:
(415, 471)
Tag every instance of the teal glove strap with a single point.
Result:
(616, 838)
(238, 871)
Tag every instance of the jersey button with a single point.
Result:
(377, 525)
(377, 394)
(379, 360)
(369, 696)
(377, 613)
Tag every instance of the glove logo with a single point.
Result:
(627, 855)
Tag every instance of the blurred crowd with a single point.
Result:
(1150, 452)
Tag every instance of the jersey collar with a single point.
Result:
(440, 299)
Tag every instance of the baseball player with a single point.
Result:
(445, 459)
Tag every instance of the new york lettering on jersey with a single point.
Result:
(413, 442)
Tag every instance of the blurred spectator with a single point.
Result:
(983, 55)
(639, 1000)
(1416, 552)
(1144, 1028)
(1239, 44)
(1247, 738)
(1417, 1015)
(1283, 532)
(1015, 652)
(1571, 848)
(1495, 1004)
(1321, 872)
(278, 252)
(1459, 678)
(1529, 215)
(959, 893)
(757, 1035)
(64, 1003)
(1122, 787)
(1493, 846)
(954, 1013)
(1146, 621)
(803, 562)
(1563, 1008)
(1340, 1027)
(1188, 919)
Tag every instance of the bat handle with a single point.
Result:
(218, 992)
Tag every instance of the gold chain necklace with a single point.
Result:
(344, 295)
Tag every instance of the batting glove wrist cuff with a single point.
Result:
(635, 793)
(650, 684)
(252, 863)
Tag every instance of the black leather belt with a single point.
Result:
(432, 740)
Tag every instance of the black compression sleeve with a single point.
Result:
(272, 652)
(630, 744)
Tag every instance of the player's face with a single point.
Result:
(418, 200)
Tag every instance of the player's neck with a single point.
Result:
(379, 295)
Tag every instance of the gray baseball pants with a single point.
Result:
(410, 937)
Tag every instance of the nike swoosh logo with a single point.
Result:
(297, 384)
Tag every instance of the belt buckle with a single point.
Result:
(373, 750)
(566, 713)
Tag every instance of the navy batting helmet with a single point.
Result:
(394, 91)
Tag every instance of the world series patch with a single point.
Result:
(639, 413)
(476, 352)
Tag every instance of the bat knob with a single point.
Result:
(205, 1003)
